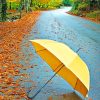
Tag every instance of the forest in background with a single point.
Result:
(14, 9)
(86, 8)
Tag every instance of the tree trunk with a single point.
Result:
(10, 5)
(4, 8)
(31, 3)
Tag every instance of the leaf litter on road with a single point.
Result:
(11, 36)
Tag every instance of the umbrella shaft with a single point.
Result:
(78, 50)
(46, 82)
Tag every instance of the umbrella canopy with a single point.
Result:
(60, 56)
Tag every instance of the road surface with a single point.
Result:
(74, 32)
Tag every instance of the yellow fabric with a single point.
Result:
(75, 71)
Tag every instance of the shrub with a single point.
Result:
(75, 12)
(83, 6)
(93, 14)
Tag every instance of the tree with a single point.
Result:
(20, 7)
(67, 2)
(10, 1)
(31, 3)
(56, 3)
(44, 1)
(3, 11)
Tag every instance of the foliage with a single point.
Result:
(83, 6)
(75, 12)
(93, 14)
(56, 3)
(75, 5)
(14, 5)
(46, 4)
(44, 1)
(67, 2)
(3, 10)
(88, 8)
(26, 5)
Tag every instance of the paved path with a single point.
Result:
(76, 33)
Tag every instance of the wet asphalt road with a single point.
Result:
(74, 32)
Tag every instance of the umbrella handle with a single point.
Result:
(45, 84)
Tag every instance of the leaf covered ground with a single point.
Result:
(11, 36)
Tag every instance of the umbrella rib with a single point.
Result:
(40, 50)
(57, 67)
(76, 83)
(46, 82)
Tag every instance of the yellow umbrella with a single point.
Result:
(64, 62)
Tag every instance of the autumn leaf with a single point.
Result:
(1, 97)
(12, 34)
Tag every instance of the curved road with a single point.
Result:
(76, 33)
